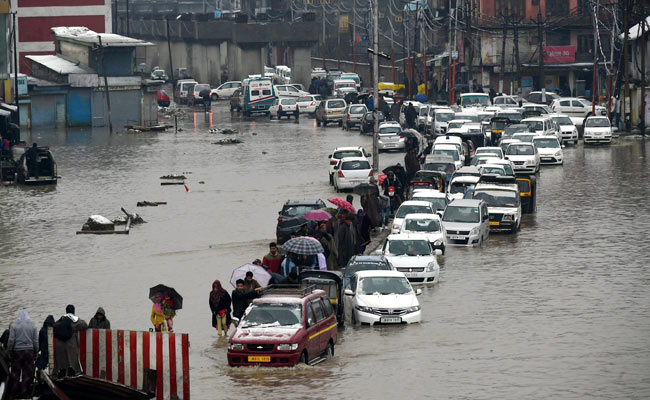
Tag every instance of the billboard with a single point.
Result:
(559, 54)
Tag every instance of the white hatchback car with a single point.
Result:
(410, 207)
(352, 171)
(308, 103)
(412, 255)
(381, 297)
(550, 150)
(459, 185)
(389, 137)
(437, 198)
(225, 90)
(597, 130)
(568, 130)
(344, 152)
(289, 91)
(430, 225)
(284, 107)
(524, 156)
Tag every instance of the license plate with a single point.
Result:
(390, 145)
(336, 112)
(494, 223)
(390, 320)
(456, 237)
(259, 358)
(546, 158)
(408, 274)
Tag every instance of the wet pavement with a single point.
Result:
(559, 310)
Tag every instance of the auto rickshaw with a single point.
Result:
(527, 193)
(478, 138)
(329, 281)
(425, 179)
(497, 126)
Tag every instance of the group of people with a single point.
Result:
(163, 313)
(222, 304)
(27, 347)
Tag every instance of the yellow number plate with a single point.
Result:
(259, 358)
(494, 222)
(336, 112)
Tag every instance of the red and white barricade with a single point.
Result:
(124, 356)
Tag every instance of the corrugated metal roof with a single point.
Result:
(59, 64)
(87, 36)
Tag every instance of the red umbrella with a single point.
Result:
(340, 203)
(318, 215)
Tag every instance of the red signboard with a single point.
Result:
(559, 54)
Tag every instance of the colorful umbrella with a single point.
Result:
(304, 245)
(318, 215)
(260, 274)
(340, 203)
(177, 299)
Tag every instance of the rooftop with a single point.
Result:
(60, 64)
(83, 35)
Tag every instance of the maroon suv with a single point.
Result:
(285, 327)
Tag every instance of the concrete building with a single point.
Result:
(36, 18)
(67, 88)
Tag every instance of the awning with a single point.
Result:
(573, 66)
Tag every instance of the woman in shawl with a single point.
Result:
(364, 229)
(158, 315)
(220, 307)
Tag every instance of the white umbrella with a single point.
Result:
(260, 274)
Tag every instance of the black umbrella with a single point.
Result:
(397, 168)
(363, 189)
(205, 93)
(177, 299)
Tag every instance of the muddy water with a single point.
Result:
(558, 311)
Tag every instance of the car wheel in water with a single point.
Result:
(215, 97)
(324, 122)
(340, 123)
(331, 179)
(575, 141)
(317, 123)
(271, 116)
(329, 352)
(303, 357)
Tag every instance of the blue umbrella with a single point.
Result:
(422, 98)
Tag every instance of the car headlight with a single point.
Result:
(575, 131)
(431, 267)
(236, 346)
(507, 217)
(558, 153)
(395, 226)
(412, 309)
(437, 242)
(364, 308)
(473, 232)
(288, 347)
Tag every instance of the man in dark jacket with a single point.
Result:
(411, 114)
(99, 321)
(23, 347)
(67, 351)
(411, 163)
(241, 297)
(43, 357)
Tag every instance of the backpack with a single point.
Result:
(63, 329)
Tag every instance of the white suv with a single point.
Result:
(412, 255)
(598, 130)
(525, 157)
(389, 137)
(344, 152)
(351, 171)
(568, 130)
(576, 107)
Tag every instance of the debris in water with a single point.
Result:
(224, 131)
(173, 176)
(98, 223)
(228, 141)
(150, 203)
(254, 133)
(264, 152)
(201, 182)
(186, 188)
(135, 219)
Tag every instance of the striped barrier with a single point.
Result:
(125, 356)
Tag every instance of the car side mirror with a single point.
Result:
(330, 156)
(348, 292)
(438, 252)
(310, 322)
(418, 292)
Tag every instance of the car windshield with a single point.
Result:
(336, 104)
(460, 187)
(496, 152)
(461, 214)
(364, 266)
(295, 211)
(585, 102)
(422, 225)
(384, 285)
(493, 171)
(439, 203)
(355, 165)
(407, 209)
(442, 167)
(452, 153)
(347, 153)
(520, 150)
(273, 314)
(535, 125)
(511, 130)
(389, 130)
(597, 123)
(444, 116)
(564, 121)
(423, 111)
(358, 109)
(547, 143)
(525, 138)
(471, 117)
(409, 247)
(497, 198)
(288, 102)
(475, 100)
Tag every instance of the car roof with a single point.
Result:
(468, 169)
(416, 203)
(422, 216)
(597, 117)
(407, 236)
(302, 202)
(288, 295)
(488, 148)
(348, 148)
(390, 124)
(533, 119)
(545, 137)
(560, 115)
(427, 193)
(466, 179)
(493, 186)
(501, 161)
(379, 273)
(511, 140)
(446, 146)
(344, 159)
(523, 143)
(493, 165)
(460, 120)
(438, 158)
(448, 138)
(465, 203)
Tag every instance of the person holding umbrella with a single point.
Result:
(220, 306)
(158, 315)
(207, 99)
(166, 301)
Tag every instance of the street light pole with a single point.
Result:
(16, 67)
(169, 50)
(375, 92)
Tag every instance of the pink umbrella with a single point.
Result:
(318, 215)
(340, 203)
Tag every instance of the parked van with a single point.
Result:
(182, 90)
(259, 95)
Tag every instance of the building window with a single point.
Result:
(557, 8)
(585, 43)
(584, 7)
(558, 38)
(514, 7)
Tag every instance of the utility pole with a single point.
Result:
(626, 76)
(408, 54)
(611, 68)
(354, 36)
(13, 17)
(594, 84)
(169, 50)
(469, 62)
(375, 92)
(503, 52)
(108, 99)
(643, 72)
(324, 35)
(338, 42)
(449, 52)
(540, 49)
(128, 30)
(392, 52)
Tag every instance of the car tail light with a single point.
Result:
(297, 107)
(340, 174)
(333, 162)
(401, 137)
(313, 103)
(371, 173)
(280, 107)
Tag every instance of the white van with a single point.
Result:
(183, 88)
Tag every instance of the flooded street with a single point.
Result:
(559, 310)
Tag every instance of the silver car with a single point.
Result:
(466, 222)
(390, 137)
